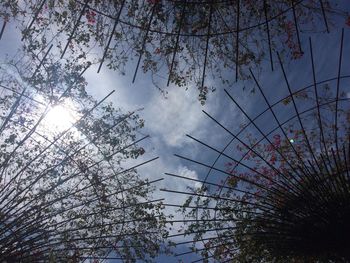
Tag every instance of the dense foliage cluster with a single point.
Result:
(189, 43)
(285, 192)
(69, 191)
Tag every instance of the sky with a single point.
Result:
(168, 120)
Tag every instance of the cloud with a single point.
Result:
(167, 121)
(157, 168)
(172, 118)
(185, 172)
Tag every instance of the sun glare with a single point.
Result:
(60, 117)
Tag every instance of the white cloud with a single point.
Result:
(156, 170)
(175, 116)
(185, 172)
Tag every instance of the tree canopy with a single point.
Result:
(186, 43)
(69, 190)
(284, 191)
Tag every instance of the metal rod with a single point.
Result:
(111, 36)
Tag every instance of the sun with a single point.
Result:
(60, 117)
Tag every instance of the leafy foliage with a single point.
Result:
(187, 40)
(70, 191)
(285, 194)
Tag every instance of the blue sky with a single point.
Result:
(168, 120)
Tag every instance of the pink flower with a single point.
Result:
(277, 140)
(90, 16)
(273, 159)
(269, 148)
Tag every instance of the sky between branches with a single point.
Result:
(168, 119)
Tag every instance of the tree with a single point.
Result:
(284, 194)
(187, 41)
(69, 189)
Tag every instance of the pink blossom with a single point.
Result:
(90, 16)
